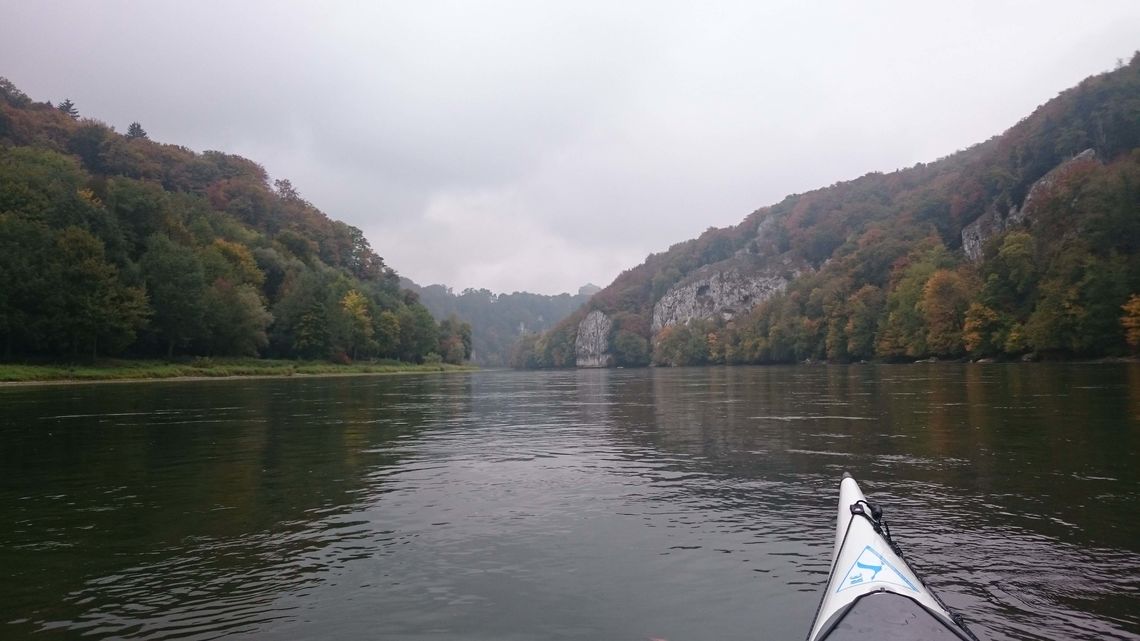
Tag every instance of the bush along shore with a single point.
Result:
(124, 370)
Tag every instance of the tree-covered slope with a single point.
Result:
(877, 268)
(116, 243)
(498, 320)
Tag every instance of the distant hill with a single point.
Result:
(499, 320)
(589, 289)
(1024, 245)
(117, 244)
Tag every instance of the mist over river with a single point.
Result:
(684, 504)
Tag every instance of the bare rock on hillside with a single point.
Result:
(592, 345)
(993, 222)
(718, 293)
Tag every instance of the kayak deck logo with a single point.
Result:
(871, 567)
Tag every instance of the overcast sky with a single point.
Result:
(539, 146)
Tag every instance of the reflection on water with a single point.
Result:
(684, 504)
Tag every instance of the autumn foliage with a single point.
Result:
(117, 244)
(877, 267)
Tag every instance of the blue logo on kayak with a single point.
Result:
(871, 567)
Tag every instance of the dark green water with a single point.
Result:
(679, 504)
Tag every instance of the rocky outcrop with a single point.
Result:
(593, 343)
(1046, 182)
(993, 222)
(723, 290)
(990, 224)
(719, 294)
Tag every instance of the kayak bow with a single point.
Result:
(871, 592)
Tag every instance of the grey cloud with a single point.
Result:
(541, 145)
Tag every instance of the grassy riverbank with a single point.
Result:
(117, 370)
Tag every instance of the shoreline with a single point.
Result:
(159, 372)
(156, 372)
(1107, 360)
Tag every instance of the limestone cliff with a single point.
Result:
(591, 347)
(990, 224)
(730, 287)
(828, 273)
(993, 222)
(718, 293)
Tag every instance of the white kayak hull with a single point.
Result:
(867, 579)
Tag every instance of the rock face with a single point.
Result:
(720, 293)
(593, 343)
(1046, 182)
(990, 224)
(731, 287)
(993, 222)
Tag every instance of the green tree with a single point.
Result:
(387, 333)
(454, 340)
(556, 348)
(836, 339)
(12, 94)
(89, 141)
(361, 261)
(297, 244)
(175, 282)
(311, 338)
(68, 108)
(1054, 325)
(90, 302)
(235, 319)
(1010, 275)
(905, 331)
(866, 306)
(285, 189)
(274, 268)
(419, 335)
(1104, 286)
(26, 247)
(630, 349)
(355, 308)
(1078, 305)
(680, 345)
(301, 324)
(524, 354)
(44, 185)
(142, 209)
(232, 261)
(136, 131)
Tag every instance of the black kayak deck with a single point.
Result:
(887, 615)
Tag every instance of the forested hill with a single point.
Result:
(1024, 245)
(117, 244)
(498, 320)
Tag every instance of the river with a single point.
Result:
(680, 504)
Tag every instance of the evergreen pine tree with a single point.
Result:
(136, 131)
(68, 108)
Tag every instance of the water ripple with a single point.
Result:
(682, 504)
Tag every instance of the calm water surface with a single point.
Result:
(693, 504)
